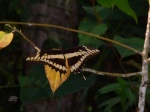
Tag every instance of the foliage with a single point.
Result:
(124, 97)
(116, 96)
(123, 5)
(5, 39)
(94, 27)
(133, 42)
(38, 84)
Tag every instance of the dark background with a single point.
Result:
(27, 82)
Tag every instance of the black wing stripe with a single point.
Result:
(54, 58)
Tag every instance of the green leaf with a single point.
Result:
(131, 96)
(74, 84)
(110, 103)
(123, 5)
(107, 3)
(102, 11)
(122, 82)
(34, 86)
(91, 26)
(109, 88)
(133, 42)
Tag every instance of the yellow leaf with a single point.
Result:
(5, 39)
(55, 78)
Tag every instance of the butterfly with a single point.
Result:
(55, 58)
(60, 63)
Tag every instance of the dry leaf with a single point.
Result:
(55, 78)
(5, 39)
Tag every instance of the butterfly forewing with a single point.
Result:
(78, 55)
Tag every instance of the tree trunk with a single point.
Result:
(56, 12)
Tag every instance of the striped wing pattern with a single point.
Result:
(55, 58)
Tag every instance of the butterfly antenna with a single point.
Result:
(83, 76)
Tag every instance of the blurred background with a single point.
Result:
(24, 86)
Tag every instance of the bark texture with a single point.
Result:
(59, 13)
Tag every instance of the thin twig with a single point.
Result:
(18, 31)
(111, 74)
(73, 30)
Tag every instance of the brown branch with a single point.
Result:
(18, 31)
(111, 74)
(73, 30)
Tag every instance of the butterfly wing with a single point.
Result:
(55, 58)
(77, 56)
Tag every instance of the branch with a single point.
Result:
(18, 31)
(148, 59)
(144, 81)
(73, 30)
(111, 74)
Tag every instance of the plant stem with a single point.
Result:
(144, 80)
(111, 74)
(73, 30)
(18, 31)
